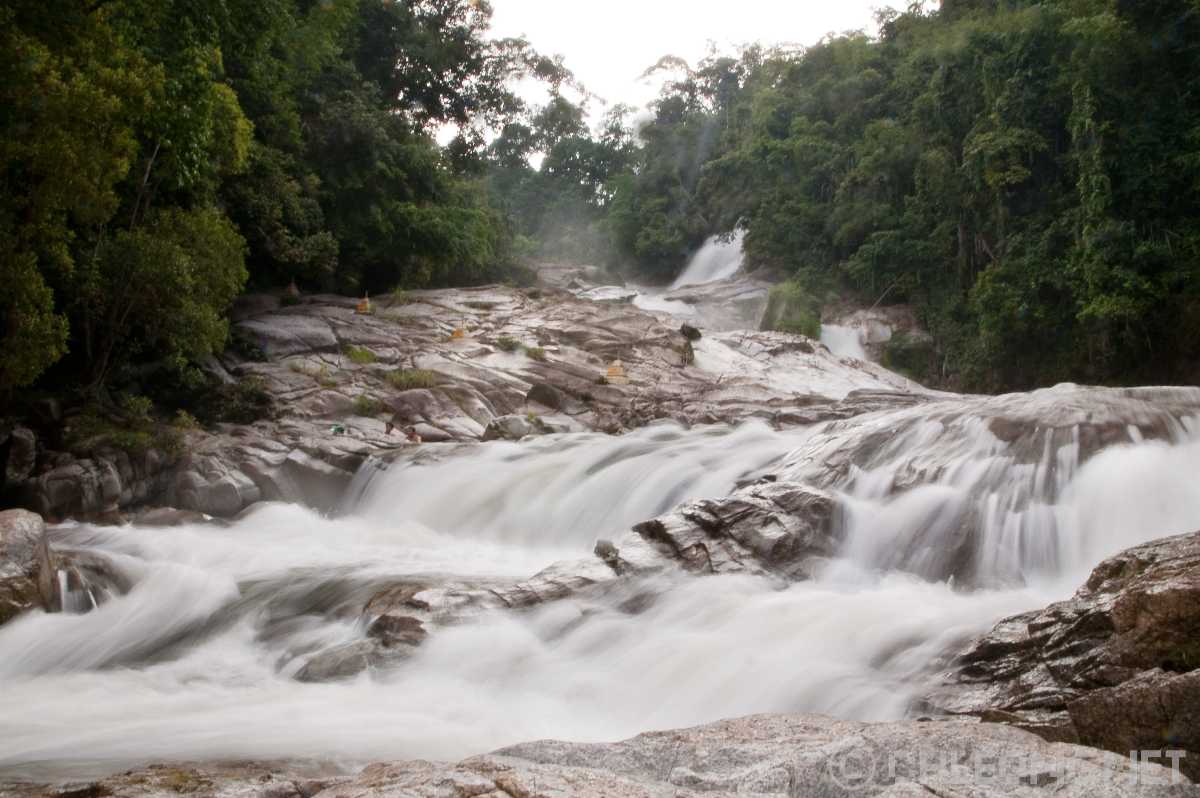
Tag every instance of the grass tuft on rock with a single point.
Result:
(368, 406)
(363, 357)
(410, 379)
(536, 353)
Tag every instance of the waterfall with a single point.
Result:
(954, 516)
(843, 341)
(715, 260)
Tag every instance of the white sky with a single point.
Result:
(608, 44)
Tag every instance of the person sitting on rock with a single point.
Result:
(410, 433)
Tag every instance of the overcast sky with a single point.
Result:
(609, 43)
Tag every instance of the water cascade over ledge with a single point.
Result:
(951, 515)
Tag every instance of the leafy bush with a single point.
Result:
(910, 355)
(136, 408)
(131, 429)
(242, 402)
(792, 309)
(408, 379)
(367, 406)
(185, 421)
(507, 343)
(536, 353)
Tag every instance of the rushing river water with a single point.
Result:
(197, 660)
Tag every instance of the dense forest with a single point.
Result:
(157, 157)
(1025, 174)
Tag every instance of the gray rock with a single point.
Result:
(797, 755)
(22, 455)
(289, 333)
(1088, 660)
(77, 488)
(513, 428)
(779, 528)
(210, 485)
(545, 394)
(1150, 712)
(781, 756)
(349, 660)
(27, 567)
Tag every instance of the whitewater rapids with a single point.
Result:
(196, 661)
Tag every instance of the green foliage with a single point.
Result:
(35, 336)
(242, 402)
(185, 421)
(536, 353)
(409, 379)
(157, 155)
(507, 344)
(130, 427)
(792, 308)
(161, 288)
(1025, 174)
(910, 355)
(361, 356)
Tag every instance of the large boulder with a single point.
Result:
(22, 455)
(1153, 711)
(27, 573)
(77, 488)
(777, 528)
(514, 428)
(289, 333)
(213, 486)
(1077, 669)
(792, 756)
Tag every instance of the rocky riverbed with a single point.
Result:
(458, 365)
(617, 521)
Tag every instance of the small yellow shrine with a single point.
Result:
(364, 305)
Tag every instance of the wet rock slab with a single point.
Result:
(764, 755)
(1116, 666)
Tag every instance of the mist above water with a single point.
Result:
(196, 661)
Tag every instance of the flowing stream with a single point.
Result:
(197, 660)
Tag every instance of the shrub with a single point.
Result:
(185, 421)
(361, 356)
(507, 343)
(536, 353)
(408, 379)
(242, 402)
(910, 355)
(791, 308)
(137, 408)
(367, 406)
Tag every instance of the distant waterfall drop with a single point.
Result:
(716, 260)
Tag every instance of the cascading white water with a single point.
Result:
(843, 341)
(716, 260)
(197, 660)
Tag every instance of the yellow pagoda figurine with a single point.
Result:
(616, 374)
